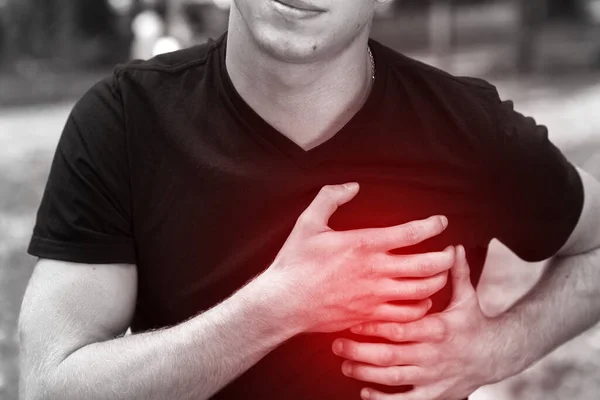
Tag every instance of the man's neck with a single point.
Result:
(306, 102)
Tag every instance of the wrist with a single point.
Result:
(268, 304)
(509, 347)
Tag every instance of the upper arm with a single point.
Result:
(537, 195)
(86, 212)
(586, 235)
(69, 305)
(83, 288)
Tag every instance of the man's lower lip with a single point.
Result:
(297, 9)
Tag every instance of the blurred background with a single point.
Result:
(543, 54)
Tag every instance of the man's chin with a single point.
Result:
(292, 47)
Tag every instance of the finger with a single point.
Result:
(385, 354)
(419, 393)
(411, 289)
(429, 329)
(461, 276)
(416, 266)
(392, 376)
(393, 237)
(401, 312)
(328, 200)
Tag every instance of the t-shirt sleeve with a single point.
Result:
(537, 194)
(85, 212)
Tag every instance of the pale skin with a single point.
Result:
(88, 308)
(461, 349)
(306, 78)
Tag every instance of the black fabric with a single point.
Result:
(165, 166)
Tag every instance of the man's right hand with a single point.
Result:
(328, 281)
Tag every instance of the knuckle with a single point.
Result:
(371, 269)
(396, 378)
(402, 264)
(385, 358)
(395, 291)
(424, 266)
(397, 332)
(411, 233)
(304, 218)
(421, 290)
(439, 329)
(381, 262)
(328, 190)
(301, 221)
(363, 243)
(370, 329)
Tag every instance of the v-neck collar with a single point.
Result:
(306, 159)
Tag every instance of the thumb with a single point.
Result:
(329, 199)
(461, 276)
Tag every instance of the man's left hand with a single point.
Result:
(446, 356)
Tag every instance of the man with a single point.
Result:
(196, 197)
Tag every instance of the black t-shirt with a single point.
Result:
(164, 165)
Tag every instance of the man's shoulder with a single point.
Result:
(432, 76)
(441, 99)
(177, 61)
(153, 81)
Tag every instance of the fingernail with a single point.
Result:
(351, 186)
(347, 368)
(365, 394)
(429, 304)
(444, 221)
(338, 347)
(357, 329)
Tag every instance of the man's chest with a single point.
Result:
(201, 233)
(213, 204)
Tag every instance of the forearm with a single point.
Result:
(192, 360)
(561, 306)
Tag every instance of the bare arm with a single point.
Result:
(566, 301)
(73, 315)
(80, 354)
(451, 354)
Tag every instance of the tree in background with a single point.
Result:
(531, 14)
(67, 32)
(565, 9)
(37, 28)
